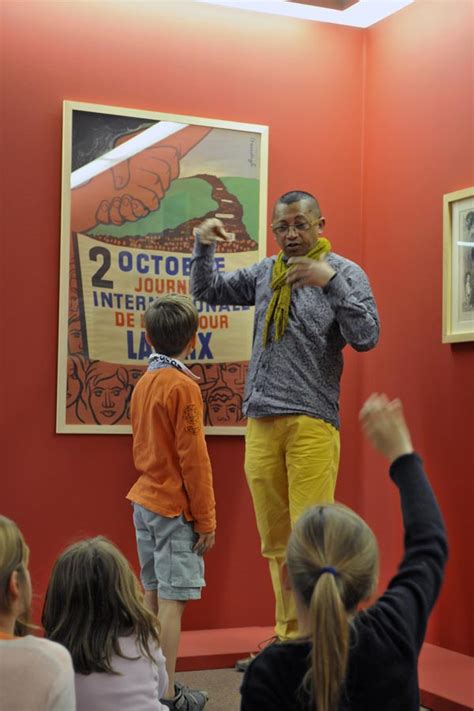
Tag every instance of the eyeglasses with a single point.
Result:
(282, 229)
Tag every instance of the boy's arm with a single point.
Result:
(186, 412)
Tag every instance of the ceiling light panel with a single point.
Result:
(361, 14)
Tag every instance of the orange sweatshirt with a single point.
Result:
(169, 449)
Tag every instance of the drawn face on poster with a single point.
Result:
(233, 375)
(135, 374)
(208, 374)
(74, 384)
(108, 391)
(224, 407)
(76, 377)
(138, 186)
(75, 342)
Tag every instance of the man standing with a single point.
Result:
(309, 303)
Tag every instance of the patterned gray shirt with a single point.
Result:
(300, 373)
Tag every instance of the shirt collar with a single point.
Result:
(159, 360)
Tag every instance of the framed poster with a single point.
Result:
(134, 185)
(458, 266)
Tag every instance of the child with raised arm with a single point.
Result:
(173, 498)
(350, 660)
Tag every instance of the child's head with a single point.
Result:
(15, 583)
(171, 322)
(93, 598)
(332, 561)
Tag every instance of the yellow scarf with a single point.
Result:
(279, 307)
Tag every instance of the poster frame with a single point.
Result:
(69, 106)
(453, 330)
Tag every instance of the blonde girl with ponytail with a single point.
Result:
(346, 659)
(332, 562)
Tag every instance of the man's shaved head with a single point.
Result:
(297, 196)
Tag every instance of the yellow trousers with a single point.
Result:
(291, 462)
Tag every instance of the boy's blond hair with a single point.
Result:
(170, 322)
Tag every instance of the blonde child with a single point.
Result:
(35, 674)
(349, 660)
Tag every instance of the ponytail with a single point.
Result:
(330, 643)
(332, 561)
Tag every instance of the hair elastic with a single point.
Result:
(328, 569)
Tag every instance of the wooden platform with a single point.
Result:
(446, 678)
(219, 649)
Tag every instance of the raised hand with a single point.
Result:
(211, 231)
(385, 427)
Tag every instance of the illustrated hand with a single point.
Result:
(134, 187)
(212, 230)
(384, 426)
(308, 272)
(204, 543)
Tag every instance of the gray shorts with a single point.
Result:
(165, 549)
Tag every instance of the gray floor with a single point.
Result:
(222, 685)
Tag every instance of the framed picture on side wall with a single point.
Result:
(135, 185)
(458, 266)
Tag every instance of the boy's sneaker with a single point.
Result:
(243, 664)
(186, 699)
(182, 687)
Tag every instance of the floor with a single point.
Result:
(445, 676)
(222, 685)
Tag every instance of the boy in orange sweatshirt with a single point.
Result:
(173, 498)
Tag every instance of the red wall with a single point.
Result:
(376, 123)
(418, 146)
(304, 80)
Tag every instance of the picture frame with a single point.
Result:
(134, 186)
(458, 266)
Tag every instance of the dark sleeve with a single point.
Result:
(213, 287)
(412, 593)
(259, 690)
